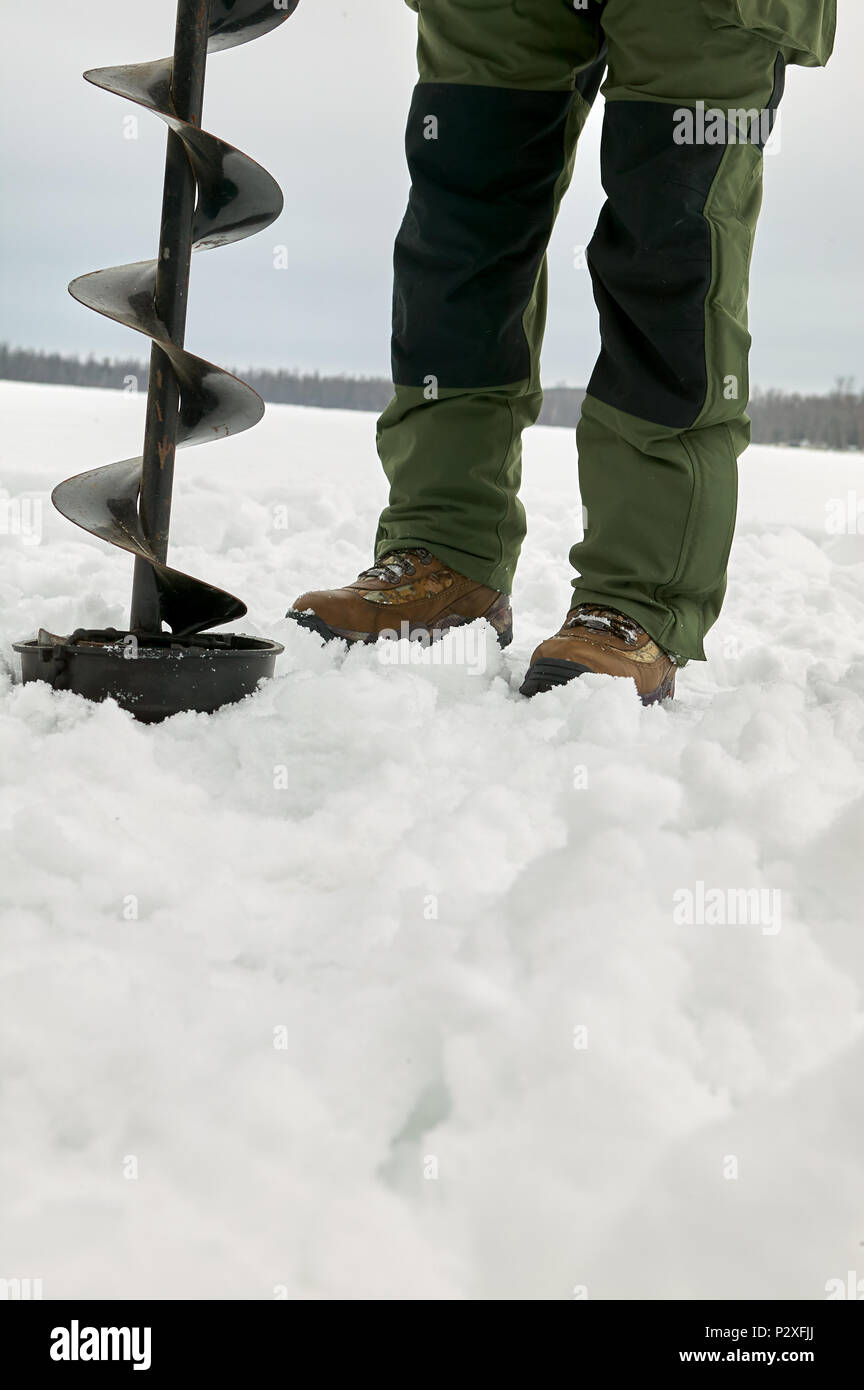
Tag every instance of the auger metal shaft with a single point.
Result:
(214, 195)
(171, 300)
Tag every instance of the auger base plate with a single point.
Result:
(152, 677)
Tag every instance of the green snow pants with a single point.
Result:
(691, 89)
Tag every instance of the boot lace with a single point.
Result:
(397, 565)
(609, 620)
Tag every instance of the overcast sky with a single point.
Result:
(321, 102)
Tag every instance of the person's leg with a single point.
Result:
(504, 92)
(664, 419)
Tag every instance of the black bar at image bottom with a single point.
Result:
(166, 1338)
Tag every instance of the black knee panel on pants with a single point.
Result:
(484, 165)
(651, 264)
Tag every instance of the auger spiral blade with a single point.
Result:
(214, 195)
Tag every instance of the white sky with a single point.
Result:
(322, 104)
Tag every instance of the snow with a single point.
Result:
(373, 986)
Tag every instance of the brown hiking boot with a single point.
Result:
(407, 593)
(604, 641)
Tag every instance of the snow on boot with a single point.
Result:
(407, 593)
(605, 642)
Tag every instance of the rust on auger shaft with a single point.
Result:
(171, 295)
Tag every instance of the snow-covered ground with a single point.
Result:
(380, 984)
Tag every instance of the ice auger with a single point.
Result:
(213, 195)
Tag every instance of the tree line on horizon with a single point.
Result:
(833, 420)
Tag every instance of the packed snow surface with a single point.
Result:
(389, 983)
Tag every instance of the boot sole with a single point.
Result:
(313, 623)
(549, 672)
